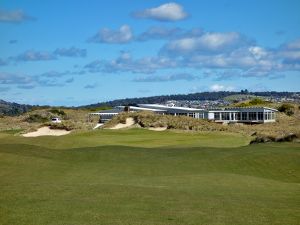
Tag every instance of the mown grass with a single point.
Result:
(42, 182)
(133, 137)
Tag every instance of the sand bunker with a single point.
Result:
(158, 128)
(98, 125)
(129, 122)
(44, 131)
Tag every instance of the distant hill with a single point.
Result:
(188, 97)
(13, 109)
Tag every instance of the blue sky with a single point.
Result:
(81, 52)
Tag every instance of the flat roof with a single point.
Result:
(108, 111)
(222, 110)
(169, 107)
(251, 107)
(146, 109)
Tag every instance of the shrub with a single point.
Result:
(269, 138)
(62, 126)
(120, 118)
(290, 112)
(57, 112)
(255, 101)
(243, 104)
(99, 108)
(150, 119)
(36, 118)
(286, 108)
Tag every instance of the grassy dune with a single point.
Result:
(93, 179)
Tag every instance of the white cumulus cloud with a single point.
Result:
(167, 78)
(207, 42)
(219, 87)
(122, 35)
(13, 16)
(257, 52)
(166, 12)
(32, 55)
(293, 45)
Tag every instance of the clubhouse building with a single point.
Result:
(225, 115)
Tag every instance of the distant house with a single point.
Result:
(226, 115)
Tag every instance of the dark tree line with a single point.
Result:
(13, 109)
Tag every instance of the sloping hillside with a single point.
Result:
(13, 109)
(35, 118)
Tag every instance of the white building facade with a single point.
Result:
(227, 115)
(242, 115)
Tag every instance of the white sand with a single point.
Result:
(129, 122)
(158, 128)
(44, 131)
(98, 125)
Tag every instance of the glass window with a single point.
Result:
(217, 116)
(266, 115)
(260, 116)
(227, 116)
(269, 116)
(191, 115)
(252, 115)
(199, 115)
(223, 116)
(244, 116)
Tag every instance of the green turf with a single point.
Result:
(135, 138)
(39, 185)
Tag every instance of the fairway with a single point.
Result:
(133, 137)
(118, 177)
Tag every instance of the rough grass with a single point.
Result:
(252, 185)
(72, 119)
(149, 119)
(252, 102)
(76, 119)
(283, 127)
